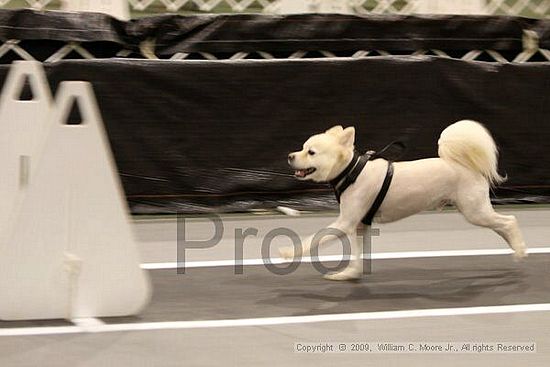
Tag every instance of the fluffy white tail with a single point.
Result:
(470, 144)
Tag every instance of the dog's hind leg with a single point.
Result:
(477, 209)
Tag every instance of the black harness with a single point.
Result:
(348, 176)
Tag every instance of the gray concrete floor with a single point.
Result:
(273, 345)
(213, 293)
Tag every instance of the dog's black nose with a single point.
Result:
(290, 157)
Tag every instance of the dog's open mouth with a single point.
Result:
(301, 173)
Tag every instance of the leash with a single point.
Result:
(395, 143)
(349, 175)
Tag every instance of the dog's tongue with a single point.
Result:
(300, 173)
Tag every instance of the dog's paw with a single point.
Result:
(287, 253)
(520, 253)
(346, 274)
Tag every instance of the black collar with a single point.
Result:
(350, 173)
(348, 176)
(334, 182)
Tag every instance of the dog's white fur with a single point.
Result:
(463, 176)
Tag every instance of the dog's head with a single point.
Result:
(324, 155)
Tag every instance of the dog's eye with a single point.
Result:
(310, 152)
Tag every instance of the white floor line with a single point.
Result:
(87, 323)
(40, 330)
(374, 256)
(273, 321)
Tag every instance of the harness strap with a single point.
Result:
(380, 197)
(349, 176)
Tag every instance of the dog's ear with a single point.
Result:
(335, 130)
(347, 137)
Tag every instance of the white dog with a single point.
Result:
(463, 175)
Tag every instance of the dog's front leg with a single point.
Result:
(331, 233)
(337, 230)
(355, 268)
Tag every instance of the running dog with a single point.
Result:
(462, 175)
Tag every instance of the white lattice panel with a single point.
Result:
(539, 8)
(13, 49)
(38, 4)
(530, 8)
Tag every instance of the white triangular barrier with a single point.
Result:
(23, 127)
(70, 252)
